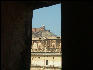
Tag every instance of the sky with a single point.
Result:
(48, 16)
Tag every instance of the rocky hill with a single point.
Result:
(44, 33)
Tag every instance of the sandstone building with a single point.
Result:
(45, 50)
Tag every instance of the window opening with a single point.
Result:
(46, 34)
(46, 62)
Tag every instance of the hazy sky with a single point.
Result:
(48, 16)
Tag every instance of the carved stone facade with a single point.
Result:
(46, 45)
(46, 53)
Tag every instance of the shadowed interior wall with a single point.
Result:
(78, 35)
(15, 36)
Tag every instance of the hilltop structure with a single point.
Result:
(42, 32)
(38, 29)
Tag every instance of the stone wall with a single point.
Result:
(40, 61)
(14, 35)
(46, 45)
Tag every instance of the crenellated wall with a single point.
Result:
(38, 29)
